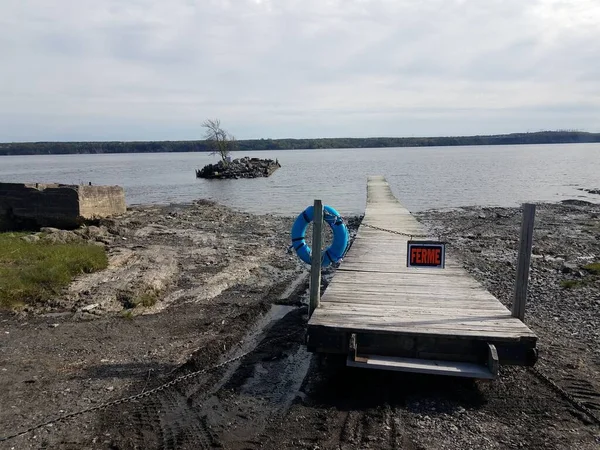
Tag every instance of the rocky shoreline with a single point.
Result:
(224, 279)
(590, 191)
(239, 168)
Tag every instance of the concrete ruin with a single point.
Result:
(35, 205)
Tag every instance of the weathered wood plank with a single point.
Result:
(400, 310)
(476, 335)
(492, 321)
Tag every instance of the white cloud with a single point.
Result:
(149, 69)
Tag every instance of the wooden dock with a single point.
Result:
(383, 314)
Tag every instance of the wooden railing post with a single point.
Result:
(520, 299)
(315, 263)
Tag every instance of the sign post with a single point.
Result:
(315, 258)
(518, 307)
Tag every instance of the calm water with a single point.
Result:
(423, 178)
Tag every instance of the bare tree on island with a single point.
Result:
(221, 141)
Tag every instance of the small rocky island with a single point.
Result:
(239, 168)
(590, 191)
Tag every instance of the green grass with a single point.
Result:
(593, 268)
(127, 314)
(34, 273)
(131, 299)
(131, 302)
(148, 298)
(570, 284)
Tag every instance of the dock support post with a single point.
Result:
(315, 263)
(518, 307)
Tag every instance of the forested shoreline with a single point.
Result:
(542, 137)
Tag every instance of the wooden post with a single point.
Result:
(315, 263)
(518, 308)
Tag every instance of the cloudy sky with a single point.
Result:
(155, 69)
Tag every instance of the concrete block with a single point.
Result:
(101, 201)
(34, 205)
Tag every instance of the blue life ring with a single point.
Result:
(336, 251)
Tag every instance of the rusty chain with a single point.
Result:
(144, 394)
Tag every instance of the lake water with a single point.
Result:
(422, 178)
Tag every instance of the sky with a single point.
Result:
(155, 69)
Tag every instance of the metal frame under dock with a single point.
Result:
(385, 315)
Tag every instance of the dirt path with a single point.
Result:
(278, 396)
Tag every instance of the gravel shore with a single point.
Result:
(226, 287)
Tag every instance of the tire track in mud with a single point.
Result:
(335, 407)
(380, 427)
(344, 408)
(164, 421)
(584, 392)
(359, 409)
(229, 407)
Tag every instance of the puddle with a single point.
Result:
(279, 381)
(294, 287)
(262, 385)
(252, 339)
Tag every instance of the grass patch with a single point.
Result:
(593, 268)
(570, 284)
(127, 314)
(35, 272)
(130, 299)
(148, 299)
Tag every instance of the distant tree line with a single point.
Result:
(55, 148)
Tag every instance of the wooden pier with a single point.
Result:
(383, 314)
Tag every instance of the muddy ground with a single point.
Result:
(211, 274)
(225, 286)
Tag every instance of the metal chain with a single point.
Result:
(400, 233)
(461, 230)
(563, 393)
(144, 394)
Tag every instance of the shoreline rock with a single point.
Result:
(590, 191)
(239, 168)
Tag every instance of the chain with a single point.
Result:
(144, 394)
(400, 233)
(460, 230)
(563, 393)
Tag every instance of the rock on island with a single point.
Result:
(239, 168)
